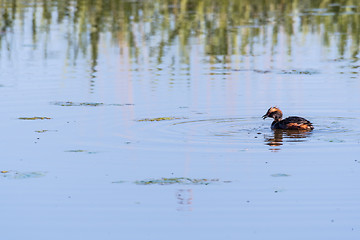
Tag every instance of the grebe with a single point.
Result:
(290, 123)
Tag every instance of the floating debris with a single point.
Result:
(180, 180)
(71, 104)
(159, 119)
(76, 150)
(280, 175)
(33, 118)
(43, 131)
(261, 71)
(335, 140)
(279, 190)
(88, 104)
(81, 151)
(120, 181)
(252, 70)
(306, 72)
(20, 175)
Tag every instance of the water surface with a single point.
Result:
(142, 119)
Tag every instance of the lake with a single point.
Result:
(142, 119)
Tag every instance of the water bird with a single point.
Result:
(289, 123)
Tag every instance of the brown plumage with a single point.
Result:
(290, 123)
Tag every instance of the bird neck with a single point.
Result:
(277, 119)
(273, 124)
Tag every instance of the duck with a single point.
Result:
(289, 123)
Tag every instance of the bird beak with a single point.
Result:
(265, 116)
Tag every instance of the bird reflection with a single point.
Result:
(279, 136)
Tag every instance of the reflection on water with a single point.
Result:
(278, 137)
(164, 87)
(140, 28)
(184, 199)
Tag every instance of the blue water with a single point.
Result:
(74, 176)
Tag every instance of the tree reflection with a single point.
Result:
(223, 27)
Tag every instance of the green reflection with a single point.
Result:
(221, 27)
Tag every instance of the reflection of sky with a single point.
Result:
(220, 135)
(298, 73)
(205, 81)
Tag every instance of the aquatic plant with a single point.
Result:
(20, 175)
(177, 180)
(303, 72)
(44, 131)
(81, 151)
(280, 175)
(70, 104)
(87, 104)
(41, 131)
(158, 119)
(33, 118)
(76, 150)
